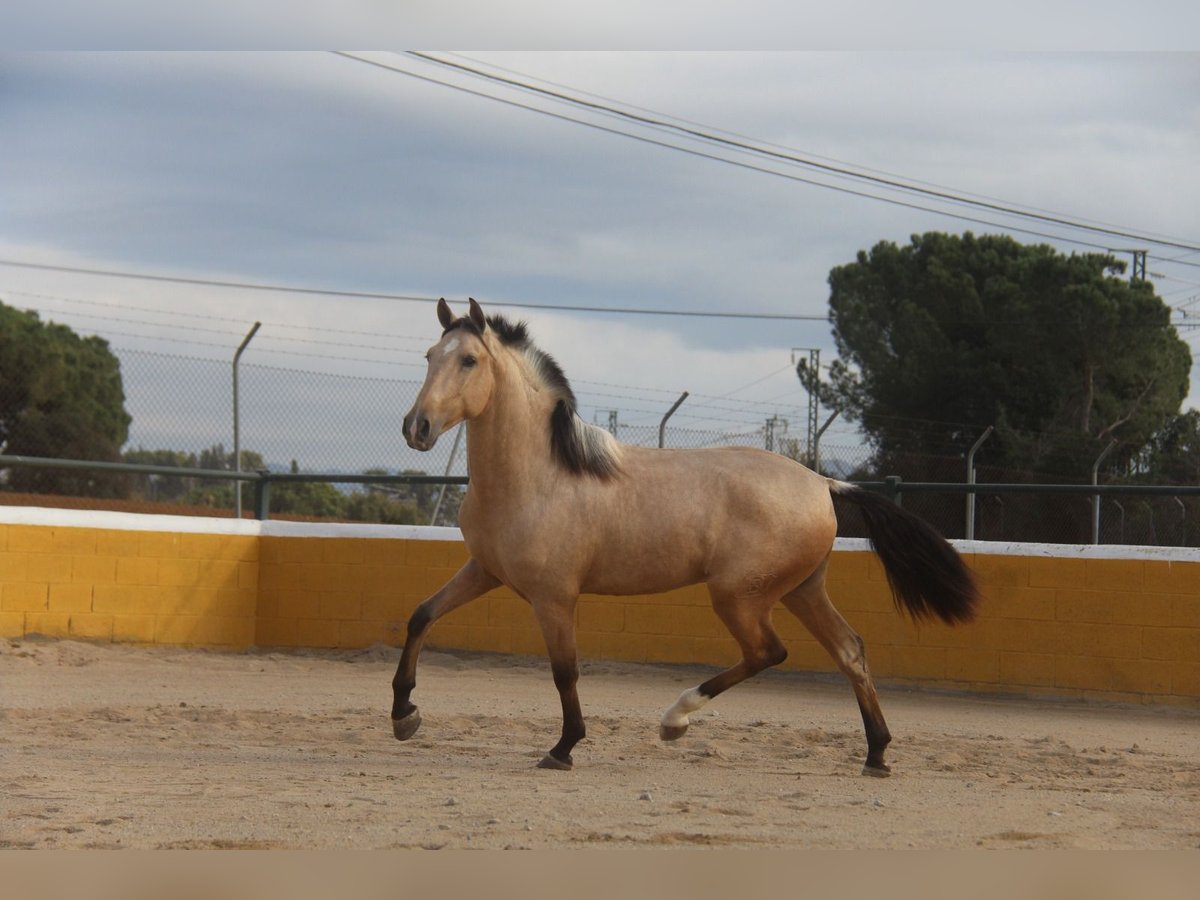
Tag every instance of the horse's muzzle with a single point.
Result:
(418, 432)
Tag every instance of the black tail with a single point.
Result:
(927, 576)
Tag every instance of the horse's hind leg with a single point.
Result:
(811, 605)
(749, 621)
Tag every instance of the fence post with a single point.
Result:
(1096, 497)
(891, 487)
(437, 507)
(262, 495)
(971, 480)
(662, 426)
(237, 447)
(816, 444)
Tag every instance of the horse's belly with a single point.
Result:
(643, 572)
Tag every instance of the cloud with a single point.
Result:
(313, 169)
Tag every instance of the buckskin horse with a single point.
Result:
(557, 507)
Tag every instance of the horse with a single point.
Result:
(557, 507)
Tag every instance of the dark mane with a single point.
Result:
(582, 448)
(511, 334)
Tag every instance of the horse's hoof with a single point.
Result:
(672, 732)
(879, 771)
(553, 762)
(406, 727)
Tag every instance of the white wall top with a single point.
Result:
(119, 521)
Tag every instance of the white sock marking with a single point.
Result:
(689, 701)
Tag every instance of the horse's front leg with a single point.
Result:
(468, 583)
(556, 618)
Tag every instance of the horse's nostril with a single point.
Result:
(423, 430)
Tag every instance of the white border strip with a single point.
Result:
(280, 528)
(118, 521)
(1054, 551)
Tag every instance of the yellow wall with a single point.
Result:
(137, 586)
(1123, 629)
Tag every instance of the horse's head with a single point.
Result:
(458, 384)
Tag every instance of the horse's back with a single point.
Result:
(677, 517)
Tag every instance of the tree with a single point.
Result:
(947, 335)
(61, 396)
(302, 498)
(307, 498)
(1173, 454)
(162, 488)
(404, 504)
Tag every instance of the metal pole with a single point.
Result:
(816, 448)
(1096, 497)
(237, 446)
(971, 480)
(437, 507)
(262, 496)
(891, 487)
(662, 426)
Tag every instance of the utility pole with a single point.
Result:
(809, 368)
(1139, 266)
(612, 420)
(1138, 271)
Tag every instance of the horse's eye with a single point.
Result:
(469, 362)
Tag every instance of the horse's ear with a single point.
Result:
(444, 315)
(477, 315)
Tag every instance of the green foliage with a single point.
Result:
(965, 332)
(61, 396)
(1173, 454)
(388, 504)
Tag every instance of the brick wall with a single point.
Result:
(1108, 623)
(123, 585)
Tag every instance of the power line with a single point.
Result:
(231, 334)
(739, 164)
(409, 298)
(765, 143)
(240, 321)
(709, 136)
(698, 399)
(381, 362)
(733, 162)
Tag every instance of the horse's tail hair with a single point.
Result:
(927, 576)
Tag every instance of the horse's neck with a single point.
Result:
(507, 447)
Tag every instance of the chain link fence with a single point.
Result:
(305, 421)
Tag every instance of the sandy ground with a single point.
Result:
(114, 746)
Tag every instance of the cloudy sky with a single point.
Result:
(407, 178)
